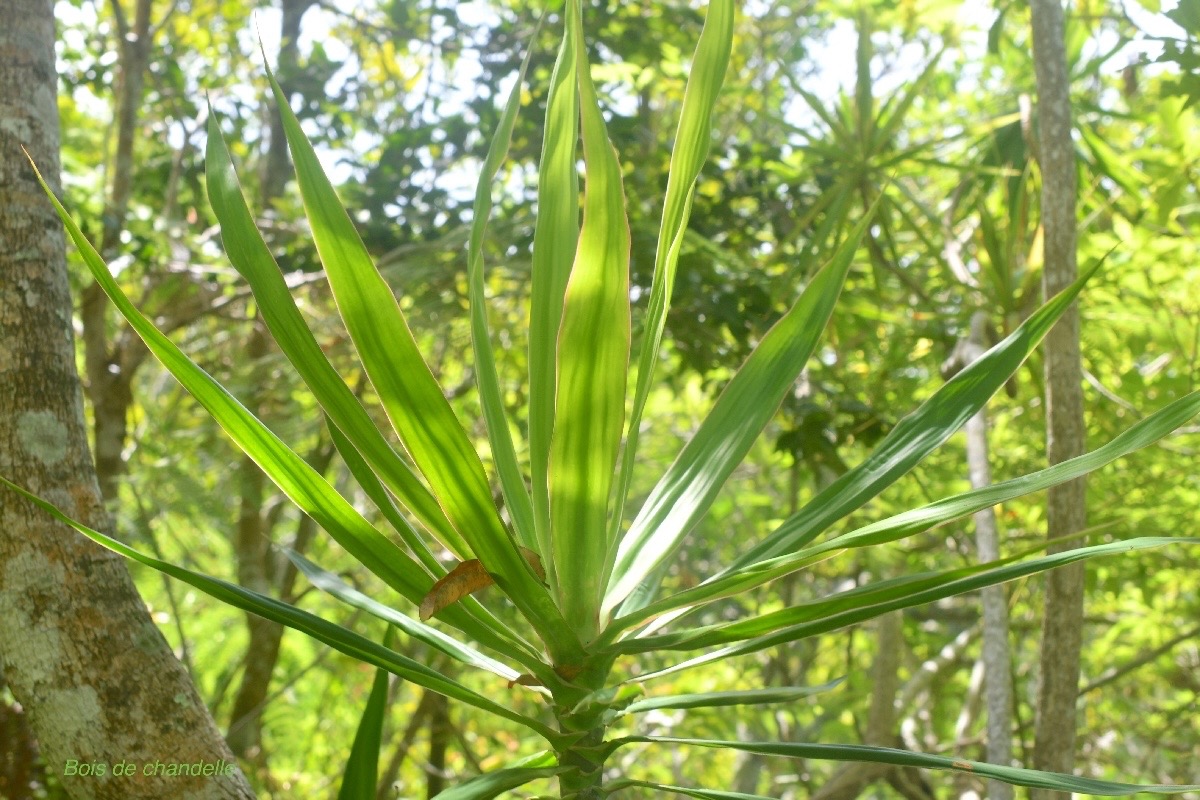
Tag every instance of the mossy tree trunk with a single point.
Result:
(77, 646)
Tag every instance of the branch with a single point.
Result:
(1116, 673)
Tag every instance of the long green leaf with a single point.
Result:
(908, 523)
(555, 237)
(748, 697)
(703, 794)
(692, 140)
(300, 482)
(251, 257)
(689, 486)
(494, 784)
(411, 396)
(856, 599)
(362, 769)
(917, 435)
(337, 637)
(868, 754)
(516, 497)
(593, 367)
(1142, 434)
(834, 613)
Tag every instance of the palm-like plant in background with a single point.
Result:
(586, 584)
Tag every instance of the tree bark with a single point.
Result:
(1066, 510)
(78, 650)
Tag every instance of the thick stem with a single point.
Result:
(579, 718)
(584, 782)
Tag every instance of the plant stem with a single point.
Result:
(583, 783)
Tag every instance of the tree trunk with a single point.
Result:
(997, 664)
(79, 651)
(1066, 511)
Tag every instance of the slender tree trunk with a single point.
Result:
(1066, 512)
(79, 651)
(997, 665)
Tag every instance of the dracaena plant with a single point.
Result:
(585, 582)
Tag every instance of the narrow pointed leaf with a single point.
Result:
(702, 794)
(918, 434)
(689, 486)
(407, 389)
(411, 396)
(668, 609)
(339, 638)
(249, 254)
(864, 99)
(504, 455)
(749, 697)
(898, 594)
(362, 769)
(868, 754)
(555, 237)
(1142, 434)
(593, 364)
(494, 784)
(853, 600)
(692, 142)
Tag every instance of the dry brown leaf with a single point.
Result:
(467, 578)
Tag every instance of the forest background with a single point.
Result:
(828, 107)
